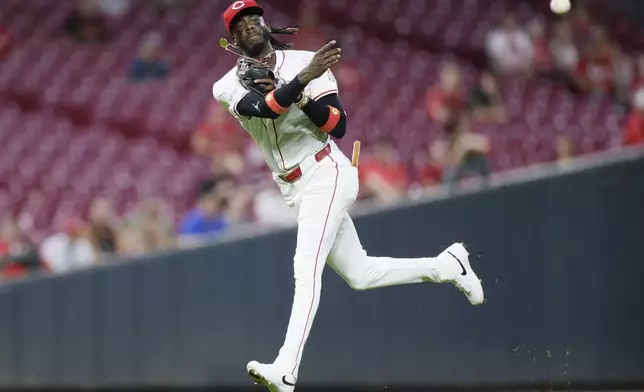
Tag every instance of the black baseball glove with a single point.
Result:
(248, 71)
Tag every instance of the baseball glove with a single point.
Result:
(248, 71)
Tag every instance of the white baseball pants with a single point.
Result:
(320, 199)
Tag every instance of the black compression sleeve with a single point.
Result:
(254, 104)
(288, 93)
(318, 112)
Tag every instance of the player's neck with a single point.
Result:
(268, 54)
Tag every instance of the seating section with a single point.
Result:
(50, 166)
(459, 25)
(72, 127)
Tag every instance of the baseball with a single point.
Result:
(560, 6)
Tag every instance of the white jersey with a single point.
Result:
(288, 140)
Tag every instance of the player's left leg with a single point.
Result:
(363, 272)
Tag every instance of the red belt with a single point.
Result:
(296, 173)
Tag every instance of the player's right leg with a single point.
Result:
(325, 200)
(363, 272)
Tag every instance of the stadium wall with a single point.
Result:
(560, 259)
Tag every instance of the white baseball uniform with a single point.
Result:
(320, 199)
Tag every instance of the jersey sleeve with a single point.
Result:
(322, 86)
(229, 95)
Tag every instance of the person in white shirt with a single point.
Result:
(292, 119)
(67, 250)
(270, 209)
(509, 48)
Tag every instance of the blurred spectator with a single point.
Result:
(595, 69)
(623, 76)
(86, 24)
(563, 147)
(114, 8)
(217, 134)
(208, 218)
(562, 47)
(254, 156)
(102, 226)
(131, 241)
(580, 22)
(236, 199)
(383, 176)
(445, 102)
(154, 225)
(18, 255)
(485, 100)
(542, 57)
(68, 249)
(229, 163)
(509, 48)
(5, 42)
(428, 172)
(634, 126)
(638, 74)
(461, 152)
(149, 63)
(270, 209)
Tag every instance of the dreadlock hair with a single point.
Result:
(276, 43)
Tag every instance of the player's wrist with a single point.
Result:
(304, 78)
(301, 101)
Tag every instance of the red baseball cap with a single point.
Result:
(234, 10)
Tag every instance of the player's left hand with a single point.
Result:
(267, 85)
(255, 76)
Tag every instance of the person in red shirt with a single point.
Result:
(18, 256)
(427, 171)
(383, 175)
(216, 134)
(634, 127)
(446, 102)
(595, 69)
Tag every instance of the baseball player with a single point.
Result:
(288, 101)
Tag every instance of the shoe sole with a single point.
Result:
(258, 378)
